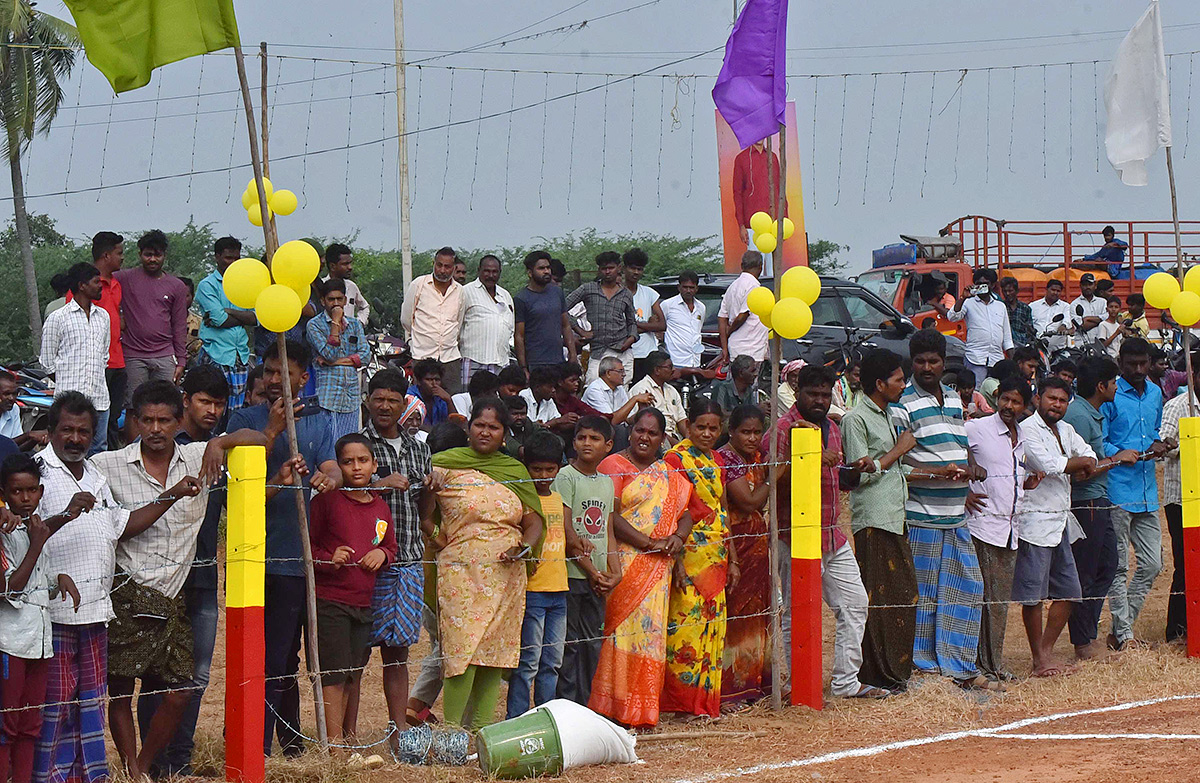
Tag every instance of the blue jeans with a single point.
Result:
(176, 758)
(543, 632)
(100, 437)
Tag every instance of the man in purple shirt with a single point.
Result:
(155, 307)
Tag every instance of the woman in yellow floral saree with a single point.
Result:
(696, 615)
(653, 499)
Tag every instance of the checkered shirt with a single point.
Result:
(415, 461)
(338, 388)
(75, 348)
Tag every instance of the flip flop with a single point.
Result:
(870, 692)
(982, 683)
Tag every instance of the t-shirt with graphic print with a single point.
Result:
(590, 499)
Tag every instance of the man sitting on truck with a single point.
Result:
(989, 336)
(1046, 310)
(1112, 253)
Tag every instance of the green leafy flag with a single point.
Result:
(128, 39)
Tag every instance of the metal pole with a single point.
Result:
(777, 640)
(311, 654)
(1187, 341)
(402, 131)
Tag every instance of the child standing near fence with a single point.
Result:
(544, 628)
(352, 538)
(26, 638)
(593, 567)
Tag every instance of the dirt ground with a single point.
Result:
(759, 736)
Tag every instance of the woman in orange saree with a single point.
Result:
(747, 663)
(653, 500)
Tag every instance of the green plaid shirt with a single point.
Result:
(878, 501)
(1020, 322)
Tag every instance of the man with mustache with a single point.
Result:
(432, 317)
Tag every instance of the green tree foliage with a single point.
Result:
(823, 257)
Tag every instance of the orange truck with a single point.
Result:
(1032, 251)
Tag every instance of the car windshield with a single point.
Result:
(883, 283)
(864, 312)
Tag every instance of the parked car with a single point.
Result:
(846, 317)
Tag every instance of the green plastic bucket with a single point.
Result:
(524, 747)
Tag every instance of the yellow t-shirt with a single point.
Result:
(551, 574)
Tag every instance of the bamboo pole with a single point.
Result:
(1187, 340)
(777, 640)
(311, 654)
(402, 151)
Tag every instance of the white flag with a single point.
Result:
(1138, 100)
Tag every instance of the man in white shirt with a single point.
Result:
(989, 338)
(540, 399)
(487, 325)
(1046, 310)
(650, 321)
(340, 261)
(607, 393)
(741, 331)
(684, 321)
(1045, 568)
(75, 341)
(10, 416)
(431, 315)
(1088, 310)
(154, 563)
(663, 395)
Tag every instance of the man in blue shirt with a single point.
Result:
(1132, 421)
(284, 606)
(1113, 253)
(427, 384)
(223, 326)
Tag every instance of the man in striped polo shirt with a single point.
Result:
(949, 582)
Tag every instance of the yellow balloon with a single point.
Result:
(765, 243)
(267, 188)
(284, 202)
(1186, 308)
(766, 321)
(1191, 280)
(760, 222)
(1160, 289)
(760, 301)
(295, 264)
(791, 319)
(254, 214)
(789, 228)
(802, 283)
(249, 197)
(278, 308)
(244, 280)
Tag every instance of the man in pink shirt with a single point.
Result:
(155, 306)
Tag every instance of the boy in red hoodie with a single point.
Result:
(352, 538)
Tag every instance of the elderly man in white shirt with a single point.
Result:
(607, 393)
(741, 330)
(663, 395)
(989, 338)
(431, 315)
(1049, 308)
(487, 324)
(1045, 568)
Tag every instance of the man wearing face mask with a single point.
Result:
(487, 324)
(432, 316)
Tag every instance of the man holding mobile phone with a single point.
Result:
(989, 336)
(336, 342)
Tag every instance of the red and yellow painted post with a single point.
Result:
(1189, 469)
(245, 578)
(807, 679)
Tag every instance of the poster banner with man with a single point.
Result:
(745, 190)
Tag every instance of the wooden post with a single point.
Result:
(245, 584)
(1187, 341)
(402, 151)
(777, 640)
(1189, 475)
(807, 678)
(311, 656)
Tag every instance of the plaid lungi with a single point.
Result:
(71, 747)
(396, 606)
(469, 368)
(235, 376)
(949, 595)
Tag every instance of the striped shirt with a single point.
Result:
(1173, 411)
(940, 430)
(432, 319)
(75, 348)
(487, 327)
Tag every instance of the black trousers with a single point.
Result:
(581, 652)
(1096, 562)
(1176, 605)
(116, 380)
(283, 623)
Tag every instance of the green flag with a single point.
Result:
(128, 39)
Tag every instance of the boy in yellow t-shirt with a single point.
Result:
(544, 628)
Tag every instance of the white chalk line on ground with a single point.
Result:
(1094, 736)
(993, 733)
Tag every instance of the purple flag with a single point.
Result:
(751, 90)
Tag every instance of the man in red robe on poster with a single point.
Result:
(751, 188)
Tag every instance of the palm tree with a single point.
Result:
(37, 52)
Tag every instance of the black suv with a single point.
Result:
(845, 317)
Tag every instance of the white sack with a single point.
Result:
(588, 738)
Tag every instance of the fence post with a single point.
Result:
(245, 578)
(1189, 468)
(807, 679)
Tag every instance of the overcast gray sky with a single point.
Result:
(639, 156)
